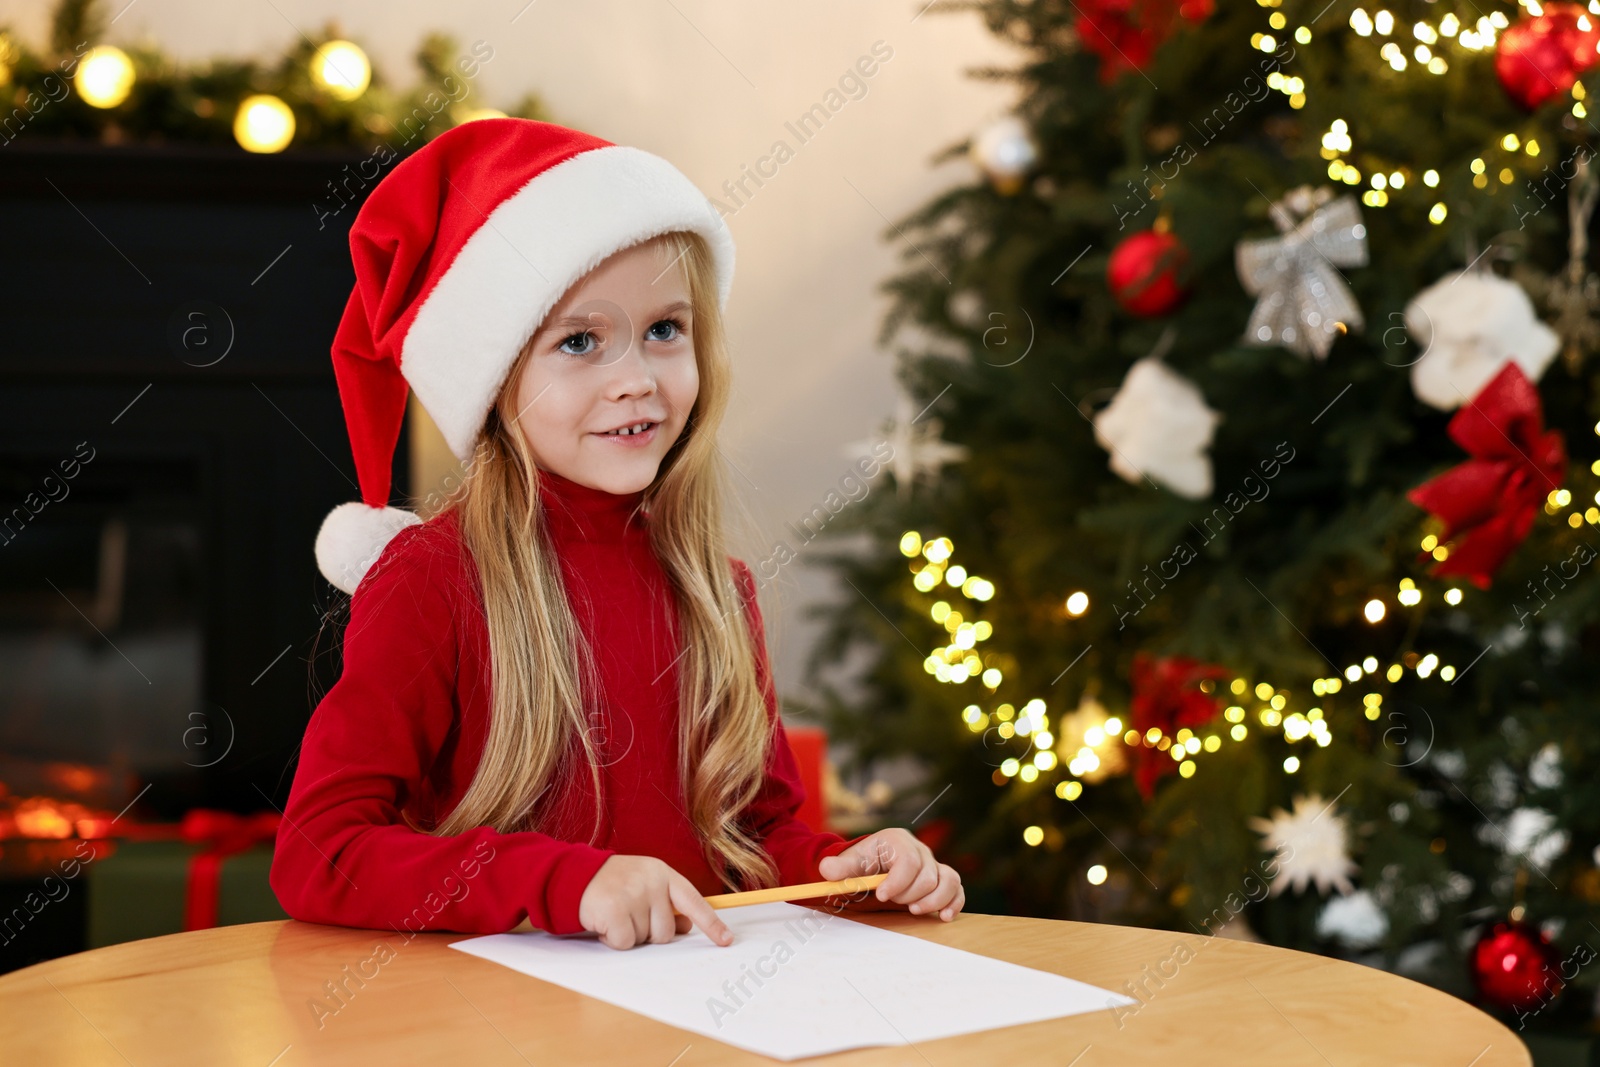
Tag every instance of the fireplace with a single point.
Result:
(170, 439)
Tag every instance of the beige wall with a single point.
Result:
(709, 85)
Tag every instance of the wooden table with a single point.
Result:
(264, 994)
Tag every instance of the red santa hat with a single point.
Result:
(459, 253)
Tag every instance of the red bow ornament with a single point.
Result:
(1167, 696)
(1126, 33)
(1491, 499)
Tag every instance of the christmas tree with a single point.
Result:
(1261, 600)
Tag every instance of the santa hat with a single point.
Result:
(459, 253)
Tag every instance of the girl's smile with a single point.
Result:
(635, 436)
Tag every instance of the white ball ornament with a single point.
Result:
(1470, 324)
(1005, 151)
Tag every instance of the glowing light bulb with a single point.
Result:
(263, 124)
(342, 69)
(105, 76)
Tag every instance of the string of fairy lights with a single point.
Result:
(1427, 42)
(262, 122)
(1089, 750)
(959, 661)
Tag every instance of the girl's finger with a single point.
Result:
(955, 907)
(687, 900)
(943, 892)
(927, 880)
(902, 870)
(623, 934)
(641, 925)
(880, 856)
(921, 879)
(663, 921)
(909, 865)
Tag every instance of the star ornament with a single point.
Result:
(1312, 842)
(916, 451)
(1082, 734)
(1304, 302)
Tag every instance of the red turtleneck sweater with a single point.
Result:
(403, 728)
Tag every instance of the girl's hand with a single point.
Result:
(916, 879)
(631, 900)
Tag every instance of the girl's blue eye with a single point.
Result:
(562, 347)
(676, 324)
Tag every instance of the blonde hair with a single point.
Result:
(543, 673)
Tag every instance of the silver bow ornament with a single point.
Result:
(1304, 301)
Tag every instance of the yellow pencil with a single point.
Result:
(858, 884)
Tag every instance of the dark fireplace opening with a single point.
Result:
(102, 620)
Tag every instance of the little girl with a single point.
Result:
(556, 708)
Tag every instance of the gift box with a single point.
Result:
(209, 870)
(810, 747)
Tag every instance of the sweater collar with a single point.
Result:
(583, 513)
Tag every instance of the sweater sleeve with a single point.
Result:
(344, 855)
(793, 846)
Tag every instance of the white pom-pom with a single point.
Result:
(1357, 920)
(1471, 324)
(352, 538)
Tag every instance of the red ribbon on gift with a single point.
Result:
(223, 834)
(1492, 498)
(1166, 695)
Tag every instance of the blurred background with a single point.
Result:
(1167, 433)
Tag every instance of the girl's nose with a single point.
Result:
(631, 374)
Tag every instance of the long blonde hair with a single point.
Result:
(543, 673)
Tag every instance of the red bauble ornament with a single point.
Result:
(1126, 33)
(1515, 966)
(1143, 273)
(1540, 57)
(1167, 696)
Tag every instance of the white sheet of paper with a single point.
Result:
(798, 982)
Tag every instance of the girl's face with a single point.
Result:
(616, 352)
